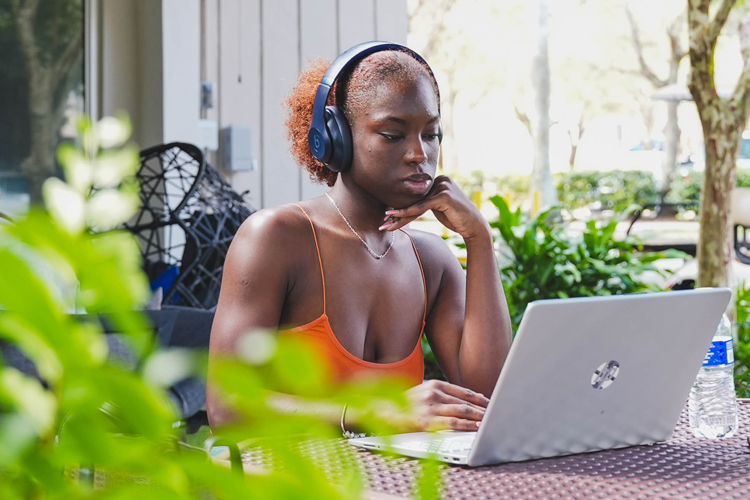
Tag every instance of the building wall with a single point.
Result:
(156, 52)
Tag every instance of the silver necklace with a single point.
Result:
(372, 252)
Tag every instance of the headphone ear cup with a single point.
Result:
(341, 140)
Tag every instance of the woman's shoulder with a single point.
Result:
(433, 250)
(273, 227)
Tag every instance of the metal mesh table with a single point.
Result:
(684, 467)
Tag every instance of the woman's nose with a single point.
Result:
(416, 151)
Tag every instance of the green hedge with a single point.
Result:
(615, 190)
(687, 188)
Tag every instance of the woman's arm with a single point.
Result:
(258, 273)
(253, 289)
(469, 325)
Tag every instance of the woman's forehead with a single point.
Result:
(396, 97)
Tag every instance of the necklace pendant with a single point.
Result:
(369, 249)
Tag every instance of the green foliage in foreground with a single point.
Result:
(93, 414)
(742, 348)
(545, 262)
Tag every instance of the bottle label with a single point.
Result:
(720, 353)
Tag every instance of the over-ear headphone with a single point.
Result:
(330, 137)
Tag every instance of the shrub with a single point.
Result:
(742, 349)
(687, 186)
(616, 190)
(544, 261)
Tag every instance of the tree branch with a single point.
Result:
(636, 36)
(718, 22)
(741, 95)
(68, 57)
(523, 118)
(438, 28)
(701, 82)
(25, 15)
(674, 38)
(677, 51)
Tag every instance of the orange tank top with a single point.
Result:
(344, 365)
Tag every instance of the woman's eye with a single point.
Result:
(431, 137)
(391, 137)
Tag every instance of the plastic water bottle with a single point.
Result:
(712, 406)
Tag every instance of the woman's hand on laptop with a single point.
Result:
(438, 405)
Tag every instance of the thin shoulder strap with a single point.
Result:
(320, 261)
(421, 269)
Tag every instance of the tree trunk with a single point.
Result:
(714, 247)
(543, 190)
(46, 81)
(574, 141)
(40, 164)
(723, 121)
(671, 145)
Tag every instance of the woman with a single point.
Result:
(340, 271)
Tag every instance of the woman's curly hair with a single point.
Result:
(352, 91)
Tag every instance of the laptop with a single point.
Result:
(582, 375)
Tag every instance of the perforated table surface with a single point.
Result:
(683, 467)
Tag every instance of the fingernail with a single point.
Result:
(478, 423)
(386, 217)
(391, 212)
(385, 226)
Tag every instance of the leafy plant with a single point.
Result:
(514, 188)
(742, 347)
(431, 368)
(91, 417)
(544, 261)
(687, 187)
(616, 190)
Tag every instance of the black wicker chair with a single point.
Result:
(742, 243)
(187, 220)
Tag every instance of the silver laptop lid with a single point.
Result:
(597, 373)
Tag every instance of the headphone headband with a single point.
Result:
(318, 137)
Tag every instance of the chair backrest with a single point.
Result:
(189, 215)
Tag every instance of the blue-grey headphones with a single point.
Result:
(330, 137)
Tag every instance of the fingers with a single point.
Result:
(452, 400)
(393, 223)
(463, 393)
(461, 411)
(452, 423)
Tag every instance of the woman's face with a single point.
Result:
(396, 142)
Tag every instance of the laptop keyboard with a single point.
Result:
(450, 445)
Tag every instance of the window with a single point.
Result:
(41, 85)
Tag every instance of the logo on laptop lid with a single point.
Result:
(605, 374)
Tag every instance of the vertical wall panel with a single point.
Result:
(318, 39)
(280, 67)
(119, 61)
(356, 22)
(150, 72)
(391, 21)
(240, 82)
(211, 47)
(181, 44)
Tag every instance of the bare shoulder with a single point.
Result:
(434, 252)
(269, 233)
(272, 226)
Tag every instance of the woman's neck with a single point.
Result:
(363, 212)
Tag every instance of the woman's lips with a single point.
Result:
(418, 186)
